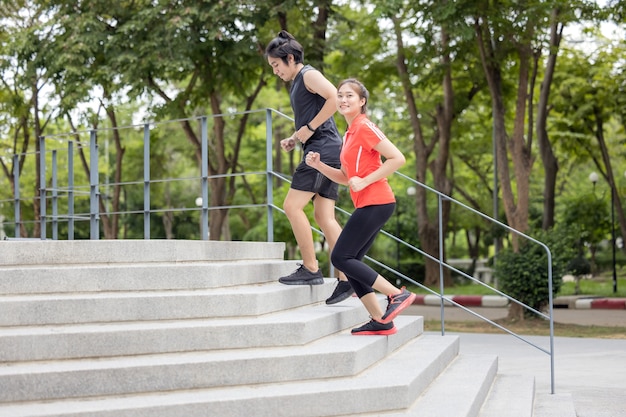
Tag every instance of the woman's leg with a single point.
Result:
(324, 210)
(356, 239)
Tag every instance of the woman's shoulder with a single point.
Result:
(361, 121)
(365, 126)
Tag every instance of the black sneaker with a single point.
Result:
(397, 303)
(303, 276)
(375, 328)
(342, 291)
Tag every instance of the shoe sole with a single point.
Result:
(394, 330)
(340, 297)
(407, 302)
(314, 281)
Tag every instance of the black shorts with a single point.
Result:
(309, 179)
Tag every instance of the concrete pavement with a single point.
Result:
(592, 371)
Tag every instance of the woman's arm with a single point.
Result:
(394, 159)
(335, 175)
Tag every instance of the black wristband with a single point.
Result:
(310, 128)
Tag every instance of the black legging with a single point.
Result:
(355, 240)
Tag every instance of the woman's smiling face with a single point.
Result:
(349, 103)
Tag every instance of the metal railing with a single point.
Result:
(51, 193)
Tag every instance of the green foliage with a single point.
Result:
(107, 53)
(589, 216)
(579, 266)
(524, 274)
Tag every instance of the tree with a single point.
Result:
(179, 54)
(588, 218)
(433, 77)
(507, 37)
(26, 43)
(502, 36)
(586, 96)
(550, 163)
(82, 75)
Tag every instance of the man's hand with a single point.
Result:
(303, 134)
(288, 144)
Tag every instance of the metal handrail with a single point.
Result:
(271, 174)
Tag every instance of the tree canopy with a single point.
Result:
(505, 108)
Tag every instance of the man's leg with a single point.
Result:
(308, 273)
(294, 204)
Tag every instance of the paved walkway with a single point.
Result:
(593, 371)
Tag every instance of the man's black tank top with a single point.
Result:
(326, 139)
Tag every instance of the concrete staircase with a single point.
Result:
(202, 328)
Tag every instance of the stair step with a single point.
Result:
(469, 377)
(339, 355)
(72, 308)
(152, 276)
(511, 396)
(196, 328)
(68, 252)
(297, 326)
(457, 392)
(387, 385)
(554, 405)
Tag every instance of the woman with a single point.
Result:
(364, 172)
(313, 100)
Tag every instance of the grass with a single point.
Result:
(529, 327)
(600, 286)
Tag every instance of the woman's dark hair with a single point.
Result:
(359, 89)
(283, 45)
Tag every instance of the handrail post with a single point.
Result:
(269, 144)
(146, 181)
(70, 190)
(42, 186)
(441, 283)
(16, 196)
(94, 211)
(204, 172)
(55, 198)
(551, 312)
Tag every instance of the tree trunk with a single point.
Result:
(37, 191)
(521, 157)
(608, 173)
(550, 163)
(317, 51)
(428, 230)
(117, 174)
